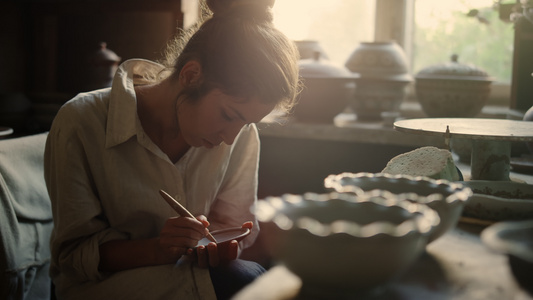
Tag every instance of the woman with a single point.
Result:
(186, 128)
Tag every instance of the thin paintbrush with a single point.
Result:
(182, 211)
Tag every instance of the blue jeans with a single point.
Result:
(229, 278)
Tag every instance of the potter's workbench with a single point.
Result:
(456, 266)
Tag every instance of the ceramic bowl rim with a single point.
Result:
(460, 193)
(422, 219)
(492, 237)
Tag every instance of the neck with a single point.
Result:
(156, 108)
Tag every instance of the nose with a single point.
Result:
(230, 132)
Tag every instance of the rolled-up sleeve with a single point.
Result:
(79, 223)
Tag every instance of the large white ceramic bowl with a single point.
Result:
(341, 244)
(447, 198)
(515, 239)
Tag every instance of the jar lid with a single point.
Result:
(318, 67)
(453, 70)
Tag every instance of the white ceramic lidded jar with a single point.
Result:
(383, 77)
(327, 89)
(452, 89)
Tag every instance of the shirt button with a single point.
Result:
(177, 197)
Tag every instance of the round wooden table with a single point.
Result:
(491, 140)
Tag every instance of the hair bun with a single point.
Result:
(260, 10)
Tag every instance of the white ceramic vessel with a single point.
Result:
(327, 90)
(383, 72)
(452, 89)
(447, 198)
(341, 244)
(515, 239)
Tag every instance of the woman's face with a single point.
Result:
(218, 118)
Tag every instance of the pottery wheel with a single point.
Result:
(491, 140)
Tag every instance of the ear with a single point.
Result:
(191, 74)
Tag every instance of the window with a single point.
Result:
(469, 28)
(429, 31)
(338, 25)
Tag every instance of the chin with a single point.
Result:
(207, 144)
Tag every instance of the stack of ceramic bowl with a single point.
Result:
(446, 198)
(383, 77)
(343, 244)
(327, 89)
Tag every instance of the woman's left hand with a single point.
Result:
(214, 254)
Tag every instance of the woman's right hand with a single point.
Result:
(179, 235)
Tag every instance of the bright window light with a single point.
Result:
(338, 25)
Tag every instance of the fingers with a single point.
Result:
(203, 220)
(248, 225)
(207, 256)
(201, 255)
(185, 224)
(193, 230)
(213, 256)
(179, 234)
(228, 251)
(233, 250)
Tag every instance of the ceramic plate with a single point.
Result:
(499, 200)
(226, 235)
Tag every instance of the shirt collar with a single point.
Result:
(122, 120)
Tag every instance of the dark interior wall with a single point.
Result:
(128, 34)
(46, 47)
(300, 165)
(12, 48)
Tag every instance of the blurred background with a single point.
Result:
(48, 47)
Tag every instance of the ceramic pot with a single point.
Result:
(374, 97)
(446, 198)
(383, 77)
(103, 65)
(326, 92)
(452, 90)
(340, 244)
(308, 48)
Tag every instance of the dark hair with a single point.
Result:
(241, 52)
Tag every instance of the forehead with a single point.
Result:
(250, 110)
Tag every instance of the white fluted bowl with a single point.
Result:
(343, 243)
(447, 198)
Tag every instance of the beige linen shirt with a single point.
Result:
(103, 175)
